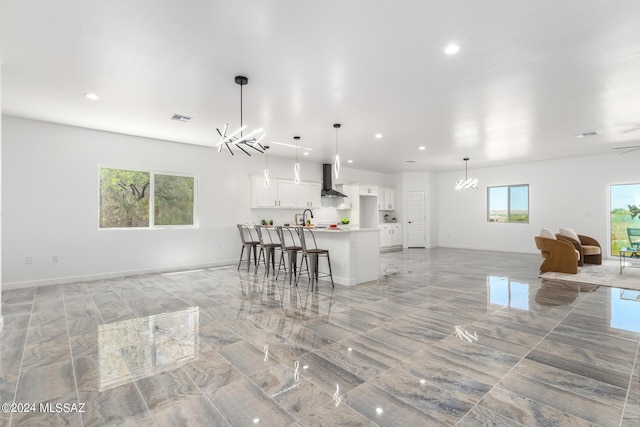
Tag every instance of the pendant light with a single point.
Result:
(241, 141)
(466, 183)
(266, 167)
(296, 167)
(336, 164)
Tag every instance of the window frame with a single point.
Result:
(152, 173)
(509, 187)
(610, 243)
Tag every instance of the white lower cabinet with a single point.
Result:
(390, 237)
(396, 235)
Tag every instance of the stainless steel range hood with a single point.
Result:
(327, 186)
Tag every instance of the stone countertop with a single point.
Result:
(347, 228)
(340, 229)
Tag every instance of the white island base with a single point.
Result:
(355, 254)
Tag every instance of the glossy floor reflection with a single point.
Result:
(445, 337)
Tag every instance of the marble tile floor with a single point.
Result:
(444, 337)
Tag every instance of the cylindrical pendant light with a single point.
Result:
(336, 164)
(266, 167)
(296, 167)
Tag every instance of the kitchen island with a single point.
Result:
(355, 253)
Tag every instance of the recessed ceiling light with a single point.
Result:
(422, 147)
(452, 49)
(306, 153)
(349, 161)
(91, 96)
(586, 134)
(377, 136)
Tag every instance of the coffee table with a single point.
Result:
(623, 256)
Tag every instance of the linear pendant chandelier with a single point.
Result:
(237, 139)
(466, 183)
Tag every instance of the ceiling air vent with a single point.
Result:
(181, 118)
(586, 134)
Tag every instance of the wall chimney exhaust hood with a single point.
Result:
(327, 185)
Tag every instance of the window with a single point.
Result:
(508, 203)
(128, 198)
(625, 217)
(173, 203)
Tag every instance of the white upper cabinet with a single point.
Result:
(308, 195)
(315, 191)
(368, 190)
(284, 194)
(262, 197)
(386, 199)
(352, 201)
(287, 194)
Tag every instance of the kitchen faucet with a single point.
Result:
(304, 214)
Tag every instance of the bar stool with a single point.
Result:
(291, 246)
(251, 243)
(311, 253)
(267, 247)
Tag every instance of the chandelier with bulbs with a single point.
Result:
(237, 139)
(466, 183)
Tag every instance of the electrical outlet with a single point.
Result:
(28, 259)
(54, 258)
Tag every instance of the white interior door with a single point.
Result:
(416, 218)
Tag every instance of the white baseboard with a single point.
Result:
(491, 249)
(1, 323)
(110, 275)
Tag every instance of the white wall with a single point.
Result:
(570, 192)
(50, 199)
(50, 202)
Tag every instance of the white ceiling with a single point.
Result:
(530, 75)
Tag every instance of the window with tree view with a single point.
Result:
(127, 198)
(625, 217)
(508, 203)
